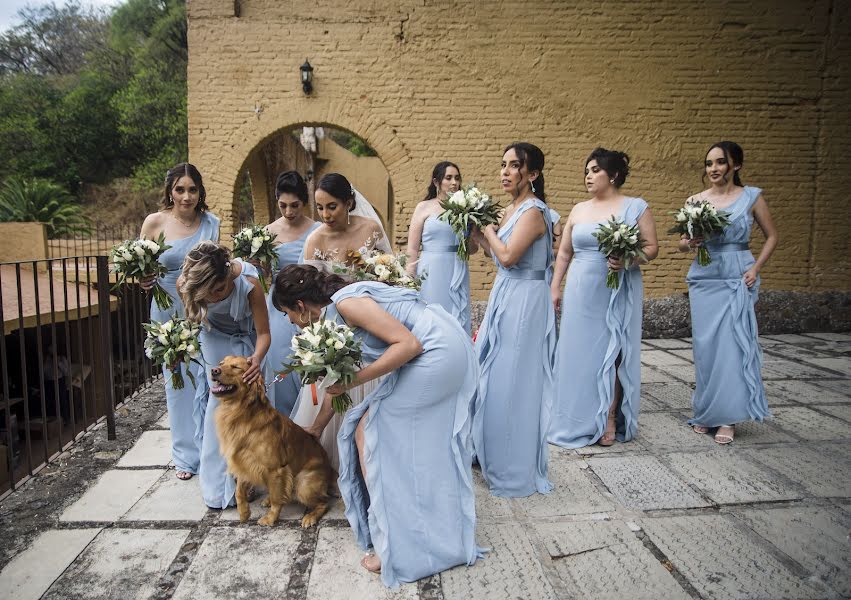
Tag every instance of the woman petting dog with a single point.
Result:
(226, 296)
(411, 436)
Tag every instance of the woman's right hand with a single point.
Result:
(695, 242)
(314, 430)
(148, 282)
(555, 294)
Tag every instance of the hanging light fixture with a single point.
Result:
(306, 77)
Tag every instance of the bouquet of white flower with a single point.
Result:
(140, 258)
(616, 238)
(328, 351)
(698, 218)
(255, 243)
(173, 343)
(467, 207)
(379, 266)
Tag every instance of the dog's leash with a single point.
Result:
(278, 377)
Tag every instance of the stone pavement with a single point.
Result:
(669, 515)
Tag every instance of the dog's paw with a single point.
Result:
(268, 520)
(267, 502)
(244, 515)
(309, 520)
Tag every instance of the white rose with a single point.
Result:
(149, 352)
(681, 216)
(616, 236)
(167, 326)
(457, 198)
(162, 339)
(329, 342)
(182, 346)
(255, 244)
(307, 357)
(185, 334)
(633, 239)
(139, 250)
(382, 272)
(338, 345)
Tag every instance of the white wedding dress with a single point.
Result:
(305, 410)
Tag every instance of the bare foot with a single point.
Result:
(699, 428)
(608, 437)
(184, 475)
(371, 563)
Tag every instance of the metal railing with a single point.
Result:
(98, 242)
(70, 351)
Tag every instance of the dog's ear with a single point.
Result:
(258, 390)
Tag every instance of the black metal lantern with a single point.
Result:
(306, 77)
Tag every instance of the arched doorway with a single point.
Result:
(313, 150)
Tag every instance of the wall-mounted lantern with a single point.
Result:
(306, 77)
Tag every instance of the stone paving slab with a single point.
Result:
(842, 411)
(731, 477)
(120, 563)
(670, 431)
(112, 495)
(33, 571)
(840, 386)
(164, 422)
(290, 512)
(574, 492)
(512, 569)
(822, 471)
(687, 355)
(651, 375)
(788, 369)
(668, 343)
(337, 574)
(793, 391)
(682, 372)
(661, 358)
(152, 450)
(604, 560)
(722, 562)
(816, 537)
(839, 365)
(169, 499)
(241, 562)
(651, 404)
(633, 445)
(834, 337)
(751, 432)
(674, 395)
(644, 483)
(790, 338)
(810, 425)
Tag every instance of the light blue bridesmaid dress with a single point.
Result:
(727, 356)
(598, 326)
(515, 347)
(229, 331)
(417, 507)
(185, 451)
(284, 393)
(447, 280)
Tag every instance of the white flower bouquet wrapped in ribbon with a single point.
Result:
(467, 207)
(327, 351)
(256, 243)
(379, 266)
(699, 219)
(140, 259)
(619, 240)
(173, 343)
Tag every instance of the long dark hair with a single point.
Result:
(533, 157)
(735, 158)
(439, 173)
(184, 170)
(305, 283)
(291, 182)
(613, 162)
(339, 187)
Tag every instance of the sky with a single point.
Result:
(9, 9)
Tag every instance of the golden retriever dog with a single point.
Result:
(263, 447)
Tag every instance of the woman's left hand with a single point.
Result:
(750, 276)
(616, 263)
(253, 372)
(337, 389)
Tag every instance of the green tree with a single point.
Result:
(40, 200)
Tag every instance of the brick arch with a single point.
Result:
(310, 112)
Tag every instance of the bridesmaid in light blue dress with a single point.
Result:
(405, 458)
(598, 368)
(291, 231)
(447, 280)
(727, 356)
(225, 295)
(517, 338)
(184, 221)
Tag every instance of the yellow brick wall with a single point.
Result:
(423, 81)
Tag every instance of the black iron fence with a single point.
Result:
(71, 351)
(97, 242)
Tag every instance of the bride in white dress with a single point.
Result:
(349, 224)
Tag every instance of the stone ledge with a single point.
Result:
(777, 312)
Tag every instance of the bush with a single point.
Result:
(41, 200)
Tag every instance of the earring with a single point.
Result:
(612, 181)
(532, 183)
(348, 218)
(302, 320)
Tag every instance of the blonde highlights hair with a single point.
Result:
(204, 267)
